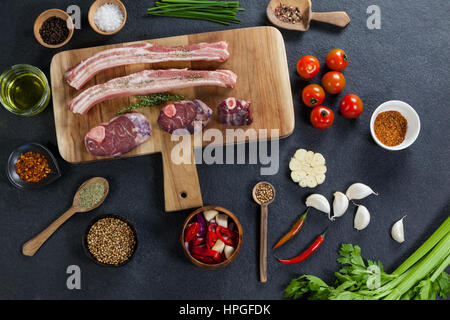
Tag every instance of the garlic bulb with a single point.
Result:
(362, 217)
(340, 204)
(319, 202)
(397, 232)
(307, 168)
(358, 191)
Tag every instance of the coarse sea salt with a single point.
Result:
(108, 17)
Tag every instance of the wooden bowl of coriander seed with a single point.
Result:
(110, 240)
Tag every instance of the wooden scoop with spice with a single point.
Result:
(89, 196)
(297, 15)
(263, 194)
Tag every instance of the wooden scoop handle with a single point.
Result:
(337, 18)
(31, 246)
(263, 244)
(181, 185)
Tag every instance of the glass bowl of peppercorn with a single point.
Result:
(32, 166)
(395, 125)
(53, 28)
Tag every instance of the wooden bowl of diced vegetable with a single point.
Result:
(211, 237)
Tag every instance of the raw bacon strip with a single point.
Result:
(144, 53)
(150, 81)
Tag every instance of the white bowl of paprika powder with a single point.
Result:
(395, 125)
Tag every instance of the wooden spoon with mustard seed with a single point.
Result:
(263, 194)
(30, 247)
(337, 18)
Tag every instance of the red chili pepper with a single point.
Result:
(205, 252)
(211, 236)
(198, 241)
(231, 235)
(316, 244)
(294, 230)
(203, 259)
(191, 231)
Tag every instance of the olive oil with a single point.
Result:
(24, 90)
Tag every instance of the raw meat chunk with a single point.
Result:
(235, 112)
(120, 135)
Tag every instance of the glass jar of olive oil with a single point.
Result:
(24, 90)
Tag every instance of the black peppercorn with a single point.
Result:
(54, 31)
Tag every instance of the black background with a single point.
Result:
(406, 60)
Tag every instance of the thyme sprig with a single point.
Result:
(150, 100)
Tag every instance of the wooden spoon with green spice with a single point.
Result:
(89, 196)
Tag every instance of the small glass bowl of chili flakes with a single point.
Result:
(395, 125)
(32, 166)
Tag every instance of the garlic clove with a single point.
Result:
(320, 178)
(298, 175)
(295, 164)
(300, 155)
(340, 204)
(318, 202)
(311, 181)
(319, 170)
(362, 217)
(358, 191)
(318, 160)
(397, 231)
(308, 157)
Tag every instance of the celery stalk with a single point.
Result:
(439, 253)
(425, 247)
(441, 268)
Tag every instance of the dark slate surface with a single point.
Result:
(407, 60)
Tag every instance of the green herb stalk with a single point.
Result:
(149, 101)
(422, 276)
(223, 12)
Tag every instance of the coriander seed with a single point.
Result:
(264, 193)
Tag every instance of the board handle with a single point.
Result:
(337, 18)
(181, 184)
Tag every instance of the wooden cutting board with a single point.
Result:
(258, 57)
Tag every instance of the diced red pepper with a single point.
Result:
(205, 252)
(203, 259)
(211, 239)
(191, 231)
(198, 241)
(211, 236)
(231, 236)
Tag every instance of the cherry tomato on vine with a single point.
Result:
(337, 60)
(308, 67)
(351, 106)
(322, 117)
(313, 95)
(333, 82)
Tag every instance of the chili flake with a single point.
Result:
(390, 128)
(32, 167)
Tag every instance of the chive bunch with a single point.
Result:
(218, 11)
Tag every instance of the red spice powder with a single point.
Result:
(390, 128)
